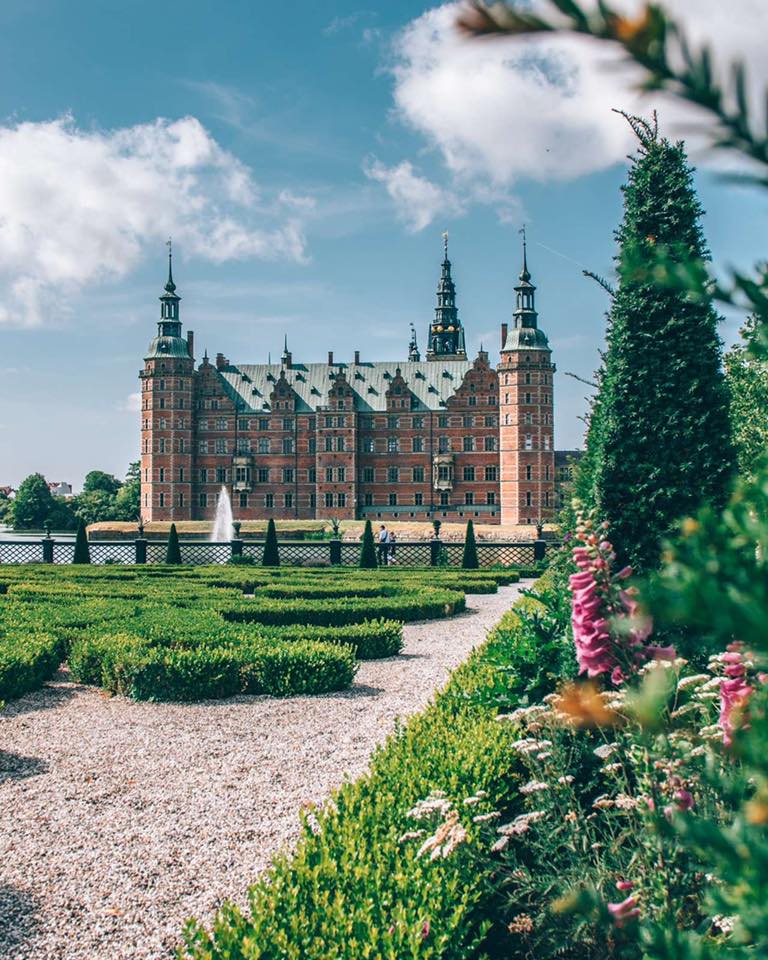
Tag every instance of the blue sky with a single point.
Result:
(306, 157)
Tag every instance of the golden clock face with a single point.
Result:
(451, 329)
(439, 329)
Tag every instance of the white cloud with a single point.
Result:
(498, 110)
(417, 200)
(132, 403)
(81, 206)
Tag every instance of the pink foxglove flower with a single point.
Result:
(625, 911)
(735, 691)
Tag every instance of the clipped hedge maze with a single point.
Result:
(185, 634)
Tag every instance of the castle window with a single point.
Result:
(443, 445)
(528, 377)
(221, 475)
(469, 474)
(546, 472)
(528, 418)
(368, 500)
(221, 445)
(181, 474)
(162, 423)
(161, 445)
(418, 499)
(490, 443)
(312, 475)
(393, 475)
(161, 474)
(393, 499)
(490, 498)
(506, 420)
(243, 445)
(161, 385)
(528, 442)
(366, 423)
(469, 499)
(288, 475)
(181, 499)
(328, 444)
(329, 500)
(445, 499)
(242, 424)
(528, 398)
(329, 474)
(369, 475)
(340, 444)
(262, 475)
(263, 445)
(181, 403)
(418, 444)
(491, 421)
(162, 403)
(287, 444)
(442, 421)
(288, 501)
(468, 421)
(161, 500)
(263, 423)
(528, 498)
(313, 501)
(368, 445)
(202, 424)
(214, 404)
(342, 499)
(203, 500)
(393, 423)
(472, 401)
(243, 500)
(491, 473)
(341, 474)
(287, 423)
(506, 398)
(312, 445)
(269, 500)
(203, 476)
(393, 445)
(418, 423)
(546, 498)
(529, 472)
(468, 444)
(221, 423)
(547, 441)
(418, 474)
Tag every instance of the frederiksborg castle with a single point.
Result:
(440, 436)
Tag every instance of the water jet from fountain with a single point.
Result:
(222, 523)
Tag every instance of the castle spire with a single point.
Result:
(413, 347)
(525, 301)
(446, 334)
(170, 285)
(169, 301)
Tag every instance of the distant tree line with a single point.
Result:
(104, 497)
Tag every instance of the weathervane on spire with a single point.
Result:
(445, 243)
(524, 275)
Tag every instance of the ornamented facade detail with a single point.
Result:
(447, 437)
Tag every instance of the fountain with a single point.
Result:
(222, 524)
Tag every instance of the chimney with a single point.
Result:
(191, 343)
(288, 360)
(330, 358)
(357, 357)
(504, 328)
(220, 361)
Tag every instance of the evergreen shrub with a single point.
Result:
(82, 552)
(271, 556)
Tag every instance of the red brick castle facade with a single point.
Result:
(446, 437)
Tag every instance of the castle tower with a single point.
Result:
(526, 412)
(446, 334)
(167, 411)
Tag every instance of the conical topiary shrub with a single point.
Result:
(82, 552)
(368, 550)
(469, 559)
(173, 553)
(271, 556)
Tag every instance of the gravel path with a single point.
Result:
(121, 819)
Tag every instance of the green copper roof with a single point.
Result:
(526, 338)
(431, 382)
(167, 347)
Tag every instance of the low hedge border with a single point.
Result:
(352, 889)
(27, 660)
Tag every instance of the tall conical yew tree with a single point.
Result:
(271, 555)
(173, 550)
(368, 549)
(469, 559)
(82, 552)
(663, 443)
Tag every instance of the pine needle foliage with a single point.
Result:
(660, 438)
(368, 549)
(469, 559)
(82, 551)
(271, 557)
(173, 550)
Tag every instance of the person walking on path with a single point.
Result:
(392, 542)
(383, 545)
